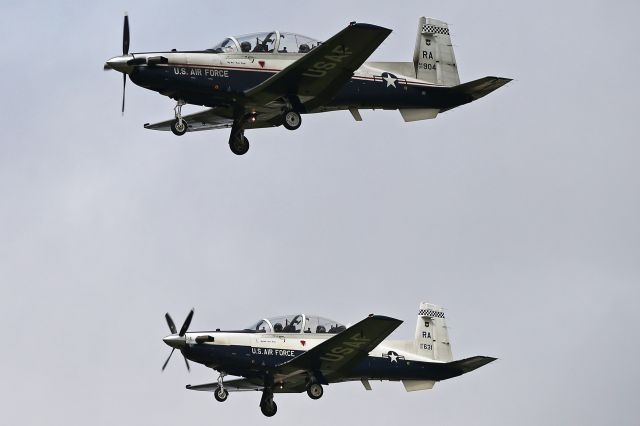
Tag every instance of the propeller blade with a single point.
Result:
(187, 322)
(124, 86)
(172, 326)
(186, 363)
(125, 35)
(167, 361)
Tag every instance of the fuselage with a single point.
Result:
(214, 79)
(249, 354)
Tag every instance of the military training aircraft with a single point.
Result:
(269, 79)
(298, 353)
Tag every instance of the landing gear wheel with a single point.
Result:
(239, 145)
(292, 120)
(269, 409)
(221, 394)
(179, 127)
(315, 391)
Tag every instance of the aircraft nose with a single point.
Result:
(119, 63)
(175, 341)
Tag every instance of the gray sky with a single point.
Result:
(517, 213)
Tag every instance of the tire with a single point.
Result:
(315, 391)
(177, 129)
(239, 145)
(292, 120)
(269, 409)
(221, 394)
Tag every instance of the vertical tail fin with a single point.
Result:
(433, 56)
(432, 338)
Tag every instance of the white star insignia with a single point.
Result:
(393, 357)
(390, 80)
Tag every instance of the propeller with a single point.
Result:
(125, 51)
(177, 341)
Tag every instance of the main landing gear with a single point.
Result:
(292, 120)
(315, 391)
(221, 394)
(179, 126)
(267, 404)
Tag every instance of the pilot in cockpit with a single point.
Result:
(245, 46)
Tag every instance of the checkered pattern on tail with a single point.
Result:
(432, 29)
(430, 313)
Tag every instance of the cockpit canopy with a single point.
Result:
(267, 42)
(297, 323)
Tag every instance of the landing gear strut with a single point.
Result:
(267, 404)
(221, 394)
(179, 126)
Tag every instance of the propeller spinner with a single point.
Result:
(177, 340)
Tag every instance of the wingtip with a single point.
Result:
(364, 25)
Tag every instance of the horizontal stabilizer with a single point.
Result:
(481, 87)
(469, 364)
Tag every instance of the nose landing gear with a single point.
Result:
(179, 126)
(221, 394)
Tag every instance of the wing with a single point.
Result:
(217, 118)
(318, 75)
(244, 385)
(335, 356)
(235, 385)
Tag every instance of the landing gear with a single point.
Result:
(267, 404)
(238, 143)
(315, 391)
(179, 126)
(221, 394)
(292, 120)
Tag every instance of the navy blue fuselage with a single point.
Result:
(252, 362)
(213, 85)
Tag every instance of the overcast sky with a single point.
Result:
(517, 213)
